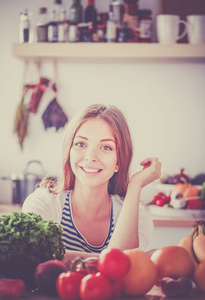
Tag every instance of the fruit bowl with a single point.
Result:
(168, 188)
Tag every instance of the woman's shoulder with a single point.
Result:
(45, 203)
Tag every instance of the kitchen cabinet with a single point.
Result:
(110, 52)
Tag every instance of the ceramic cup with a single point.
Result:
(196, 29)
(167, 27)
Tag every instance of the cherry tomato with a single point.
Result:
(96, 287)
(68, 284)
(113, 263)
(160, 202)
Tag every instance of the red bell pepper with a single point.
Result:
(194, 204)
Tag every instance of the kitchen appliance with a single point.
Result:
(25, 183)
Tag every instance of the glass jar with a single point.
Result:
(42, 25)
(145, 25)
(124, 34)
(24, 27)
(75, 15)
(130, 15)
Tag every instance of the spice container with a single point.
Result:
(42, 25)
(53, 28)
(75, 15)
(111, 29)
(145, 25)
(130, 16)
(63, 26)
(73, 33)
(84, 33)
(124, 34)
(24, 27)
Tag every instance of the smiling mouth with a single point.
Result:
(91, 171)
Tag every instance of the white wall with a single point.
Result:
(163, 102)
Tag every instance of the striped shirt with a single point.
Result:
(73, 239)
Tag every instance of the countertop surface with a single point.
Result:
(154, 294)
(161, 217)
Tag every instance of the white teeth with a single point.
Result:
(90, 170)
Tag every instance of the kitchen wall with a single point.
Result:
(164, 103)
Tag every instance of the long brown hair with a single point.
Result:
(116, 120)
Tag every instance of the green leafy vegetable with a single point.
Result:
(25, 241)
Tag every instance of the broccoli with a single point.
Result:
(25, 241)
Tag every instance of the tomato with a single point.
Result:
(117, 287)
(96, 287)
(11, 288)
(68, 284)
(113, 263)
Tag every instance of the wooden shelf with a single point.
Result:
(119, 52)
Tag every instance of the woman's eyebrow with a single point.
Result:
(81, 137)
(107, 140)
(103, 140)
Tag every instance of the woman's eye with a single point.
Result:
(80, 144)
(106, 148)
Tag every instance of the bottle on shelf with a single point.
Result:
(63, 27)
(111, 28)
(42, 25)
(75, 15)
(124, 34)
(130, 16)
(91, 13)
(117, 8)
(145, 25)
(24, 27)
(58, 7)
(53, 28)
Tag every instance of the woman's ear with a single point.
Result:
(116, 169)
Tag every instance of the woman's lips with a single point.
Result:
(91, 171)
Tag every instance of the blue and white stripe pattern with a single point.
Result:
(72, 238)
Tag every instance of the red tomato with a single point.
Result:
(194, 204)
(113, 263)
(68, 284)
(117, 288)
(96, 287)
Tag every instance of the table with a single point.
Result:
(154, 294)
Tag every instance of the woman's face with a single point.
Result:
(93, 155)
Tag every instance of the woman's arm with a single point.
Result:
(125, 235)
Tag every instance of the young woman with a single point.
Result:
(95, 201)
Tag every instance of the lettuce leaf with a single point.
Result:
(25, 241)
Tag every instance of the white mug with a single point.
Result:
(196, 29)
(168, 29)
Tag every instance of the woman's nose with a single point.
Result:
(91, 155)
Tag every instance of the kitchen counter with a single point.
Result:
(154, 294)
(7, 209)
(169, 217)
(158, 220)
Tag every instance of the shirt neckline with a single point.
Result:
(81, 235)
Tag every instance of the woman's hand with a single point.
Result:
(151, 171)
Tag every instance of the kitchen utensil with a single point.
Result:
(168, 29)
(196, 29)
(25, 183)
